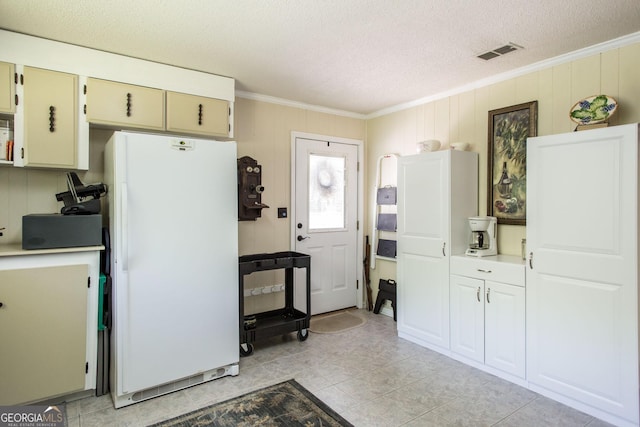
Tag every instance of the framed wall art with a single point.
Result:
(509, 129)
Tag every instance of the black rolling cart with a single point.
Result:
(275, 322)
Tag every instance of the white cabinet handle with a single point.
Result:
(483, 271)
(443, 246)
(478, 294)
(531, 260)
(488, 292)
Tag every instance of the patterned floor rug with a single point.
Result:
(284, 404)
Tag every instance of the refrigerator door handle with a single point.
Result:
(124, 238)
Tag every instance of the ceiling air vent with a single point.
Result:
(499, 51)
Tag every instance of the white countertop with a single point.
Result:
(15, 249)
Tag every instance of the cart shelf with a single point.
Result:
(276, 322)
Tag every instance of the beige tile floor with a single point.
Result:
(368, 375)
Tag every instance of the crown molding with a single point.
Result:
(296, 104)
(541, 65)
(537, 66)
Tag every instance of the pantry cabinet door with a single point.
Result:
(582, 268)
(124, 106)
(50, 118)
(423, 235)
(197, 115)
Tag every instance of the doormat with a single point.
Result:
(335, 323)
(284, 404)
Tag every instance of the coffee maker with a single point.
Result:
(483, 236)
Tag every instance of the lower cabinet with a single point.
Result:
(48, 328)
(487, 308)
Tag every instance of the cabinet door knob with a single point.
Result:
(52, 118)
(128, 105)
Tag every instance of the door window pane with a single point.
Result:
(326, 192)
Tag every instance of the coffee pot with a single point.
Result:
(483, 236)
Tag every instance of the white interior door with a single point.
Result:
(326, 219)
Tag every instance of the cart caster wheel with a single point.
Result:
(303, 334)
(246, 352)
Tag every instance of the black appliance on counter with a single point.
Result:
(79, 222)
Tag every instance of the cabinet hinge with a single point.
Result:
(86, 368)
(357, 284)
(15, 78)
(85, 89)
(22, 153)
(22, 79)
(358, 225)
(84, 109)
(229, 111)
(89, 282)
(16, 99)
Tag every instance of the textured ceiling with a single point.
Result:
(359, 56)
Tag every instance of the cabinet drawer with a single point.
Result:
(501, 268)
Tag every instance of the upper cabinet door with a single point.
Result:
(50, 118)
(197, 114)
(124, 105)
(7, 88)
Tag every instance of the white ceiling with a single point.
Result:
(358, 56)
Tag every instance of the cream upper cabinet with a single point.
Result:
(7, 88)
(124, 106)
(50, 119)
(43, 328)
(197, 114)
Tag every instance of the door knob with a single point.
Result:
(300, 238)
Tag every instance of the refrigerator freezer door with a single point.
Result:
(176, 278)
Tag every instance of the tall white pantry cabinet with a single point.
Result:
(437, 192)
(582, 270)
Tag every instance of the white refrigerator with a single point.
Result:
(174, 237)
